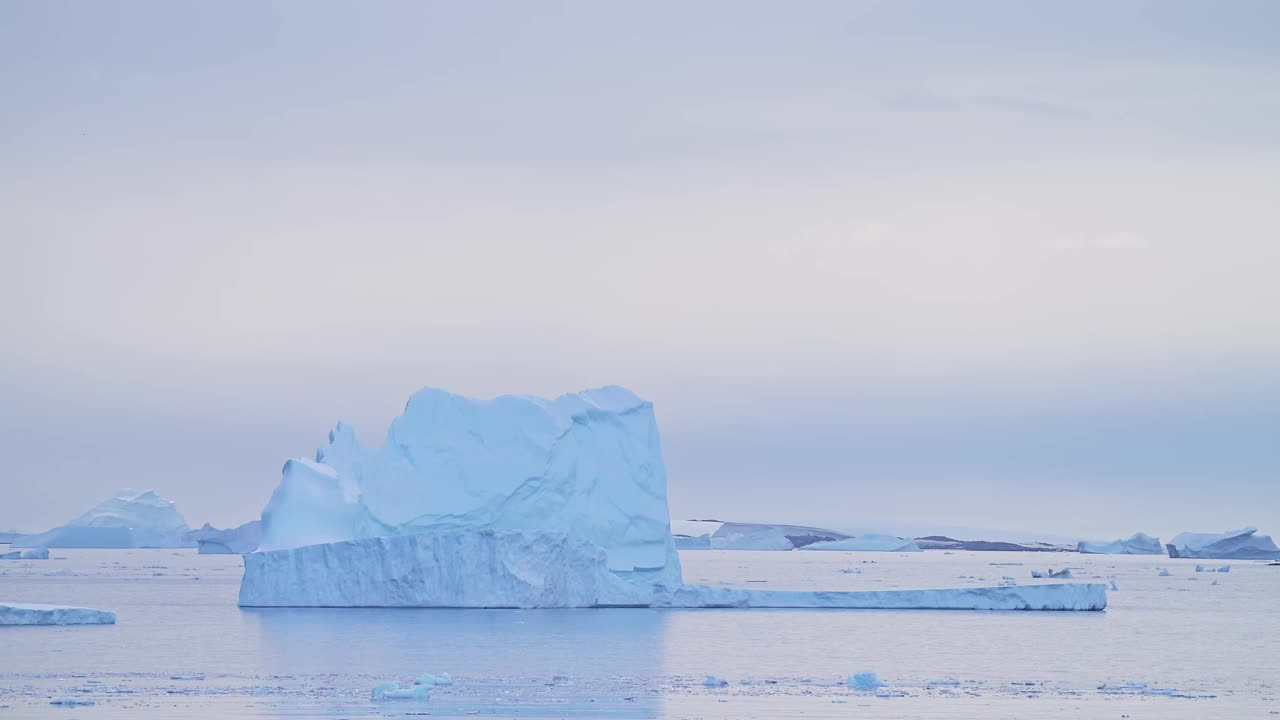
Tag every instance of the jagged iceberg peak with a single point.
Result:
(587, 464)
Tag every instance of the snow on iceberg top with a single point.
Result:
(587, 464)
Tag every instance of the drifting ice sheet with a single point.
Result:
(28, 614)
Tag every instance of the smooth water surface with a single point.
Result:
(1186, 645)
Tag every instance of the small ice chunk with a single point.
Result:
(69, 701)
(1113, 585)
(393, 691)
(187, 676)
(865, 680)
(1225, 568)
(1164, 572)
(432, 680)
(714, 682)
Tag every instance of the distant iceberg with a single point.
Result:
(233, 541)
(759, 536)
(1136, 544)
(1242, 544)
(522, 502)
(867, 543)
(29, 614)
(942, 542)
(132, 518)
(693, 542)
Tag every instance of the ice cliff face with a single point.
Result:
(1242, 544)
(1136, 544)
(132, 518)
(588, 465)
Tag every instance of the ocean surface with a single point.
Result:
(1185, 645)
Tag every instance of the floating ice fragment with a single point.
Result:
(69, 701)
(865, 680)
(430, 680)
(1164, 572)
(714, 682)
(393, 691)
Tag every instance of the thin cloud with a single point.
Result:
(1022, 105)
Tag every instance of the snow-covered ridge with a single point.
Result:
(1136, 544)
(132, 518)
(1243, 544)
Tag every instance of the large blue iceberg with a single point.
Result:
(517, 502)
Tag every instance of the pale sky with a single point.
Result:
(995, 264)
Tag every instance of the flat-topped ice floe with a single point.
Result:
(31, 614)
(1136, 544)
(520, 502)
(1244, 544)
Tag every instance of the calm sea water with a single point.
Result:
(1186, 645)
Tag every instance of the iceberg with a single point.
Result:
(942, 542)
(28, 614)
(1244, 544)
(587, 464)
(697, 542)
(234, 541)
(130, 519)
(540, 569)
(756, 536)
(1136, 544)
(865, 680)
(867, 543)
(520, 502)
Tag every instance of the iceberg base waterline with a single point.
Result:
(541, 569)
